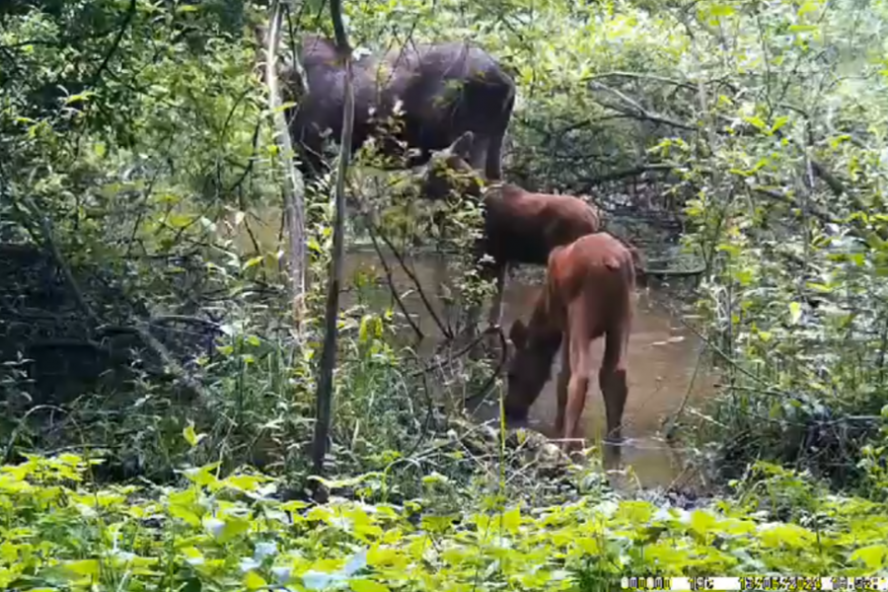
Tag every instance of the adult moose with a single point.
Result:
(519, 226)
(588, 294)
(442, 89)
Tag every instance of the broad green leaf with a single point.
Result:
(795, 312)
(512, 519)
(83, 568)
(779, 122)
(253, 262)
(874, 557)
(364, 585)
(755, 120)
(190, 436)
(790, 535)
(702, 522)
(254, 581)
(808, 6)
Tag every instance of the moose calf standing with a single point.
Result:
(519, 226)
(588, 294)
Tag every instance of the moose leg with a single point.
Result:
(497, 135)
(496, 307)
(495, 316)
(579, 379)
(612, 380)
(478, 155)
(561, 388)
(308, 143)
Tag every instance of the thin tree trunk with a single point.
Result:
(294, 186)
(331, 317)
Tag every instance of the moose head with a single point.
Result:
(449, 172)
(529, 355)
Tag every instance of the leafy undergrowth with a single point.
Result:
(215, 533)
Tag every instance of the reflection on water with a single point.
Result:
(662, 360)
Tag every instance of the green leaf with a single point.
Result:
(874, 556)
(808, 6)
(84, 568)
(721, 10)
(253, 261)
(512, 520)
(364, 585)
(190, 436)
(779, 122)
(702, 522)
(789, 535)
(795, 312)
(802, 28)
(755, 120)
(254, 581)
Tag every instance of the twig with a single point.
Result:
(636, 108)
(623, 174)
(391, 283)
(460, 352)
(782, 197)
(726, 357)
(644, 76)
(444, 329)
(484, 389)
(672, 422)
(127, 19)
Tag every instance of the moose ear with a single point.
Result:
(462, 146)
(518, 334)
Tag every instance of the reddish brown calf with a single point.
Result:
(588, 294)
(519, 226)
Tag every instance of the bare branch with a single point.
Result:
(294, 187)
(642, 76)
(127, 19)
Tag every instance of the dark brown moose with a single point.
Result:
(442, 90)
(588, 294)
(519, 226)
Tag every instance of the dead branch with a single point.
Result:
(294, 187)
(634, 108)
(623, 174)
(644, 76)
(788, 200)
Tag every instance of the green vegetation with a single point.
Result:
(228, 532)
(142, 299)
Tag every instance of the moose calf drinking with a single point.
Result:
(588, 294)
(519, 226)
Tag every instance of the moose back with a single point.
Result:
(441, 90)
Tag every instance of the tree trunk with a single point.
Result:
(331, 317)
